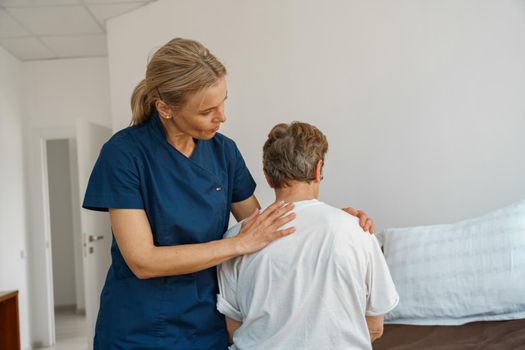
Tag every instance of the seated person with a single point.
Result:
(327, 285)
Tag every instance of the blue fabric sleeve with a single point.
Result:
(243, 182)
(114, 181)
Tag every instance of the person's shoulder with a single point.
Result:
(339, 214)
(346, 224)
(348, 236)
(129, 135)
(124, 143)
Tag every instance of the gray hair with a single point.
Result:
(291, 153)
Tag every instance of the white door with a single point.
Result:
(95, 226)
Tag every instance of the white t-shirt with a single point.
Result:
(311, 289)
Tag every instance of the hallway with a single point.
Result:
(70, 330)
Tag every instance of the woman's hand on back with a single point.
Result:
(260, 229)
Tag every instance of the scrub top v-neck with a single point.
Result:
(187, 200)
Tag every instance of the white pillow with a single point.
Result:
(473, 270)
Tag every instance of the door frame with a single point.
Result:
(41, 267)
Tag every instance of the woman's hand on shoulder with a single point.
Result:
(366, 223)
(259, 229)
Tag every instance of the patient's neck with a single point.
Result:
(297, 191)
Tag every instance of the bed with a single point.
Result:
(461, 286)
(487, 335)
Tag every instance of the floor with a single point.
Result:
(70, 330)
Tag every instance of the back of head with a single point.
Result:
(291, 153)
(179, 68)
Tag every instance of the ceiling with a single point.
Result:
(50, 29)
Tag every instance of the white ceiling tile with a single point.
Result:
(77, 46)
(37, 3)
(9, 27)
(107, 11)
(61, 20)
(27, 48)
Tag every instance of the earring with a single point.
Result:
(169, 116)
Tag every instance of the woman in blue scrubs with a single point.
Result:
(169, 182)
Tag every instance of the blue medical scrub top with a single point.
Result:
(187, 200)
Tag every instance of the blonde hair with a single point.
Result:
(176, 70)
(291, 153)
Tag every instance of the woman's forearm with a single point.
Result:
(184, 259)
(135, 240)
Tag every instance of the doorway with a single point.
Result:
(91, 230)
(66, 250)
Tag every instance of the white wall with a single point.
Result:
(423, 102)
(58, 167)
(13, 265)
(55, 94)
(58, 92)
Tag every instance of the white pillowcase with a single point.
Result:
(473, 270)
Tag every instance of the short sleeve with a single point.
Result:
(243, 183)
(227, 297)
(382, 296)
(114, 181)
